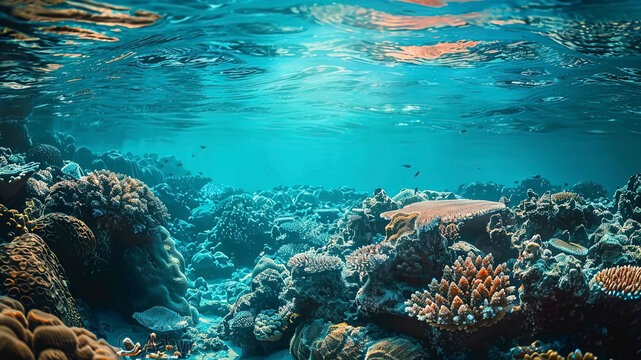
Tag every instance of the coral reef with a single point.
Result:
(32, 274)
(41, 335)
(470, 295)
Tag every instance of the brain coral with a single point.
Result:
(447, 210)
(12, 224)
(69, 238)
(40, 335)
(30, 272)
(470, 295)
(620, 281)
(46, 155)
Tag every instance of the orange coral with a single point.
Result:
(620, 281)
(448, 211)
(401, 224)
(43, 336)
(470, 295)
(553, 355)
(12, 223)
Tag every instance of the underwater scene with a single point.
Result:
(320, 180)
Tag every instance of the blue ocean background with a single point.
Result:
(333, 94)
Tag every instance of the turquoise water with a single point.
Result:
(342, 93)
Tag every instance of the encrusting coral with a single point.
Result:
(620, 281)
(43, 336)
(30, 272)
(470, 295)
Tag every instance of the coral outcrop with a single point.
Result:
(470, 295)
(447, 211)
(46, 155)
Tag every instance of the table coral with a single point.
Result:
(40, 335)
(30, 272)
(447, 210)
(620, 281)
(470, 295)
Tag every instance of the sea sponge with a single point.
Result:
(30, 272)
(620, 281)
(447, 211)
(12, 224)
(46, 155)
(470, 295)
(43, 336)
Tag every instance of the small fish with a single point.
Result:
(406, 166)
(618, 187)
(463, 131)
(165, 160)
(170, 174)
(179, 164)
(203, 146)
(478, 168)
(200, 173)
(537, 176)
(418, 172)
(188, 172)
(416, 190)
(565, 184)
(516, 181)
(193, 155)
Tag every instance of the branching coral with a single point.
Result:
(31, 273)
(368, 258)
(620, 281)
(311, 263)
(44, 336)
(470, 295)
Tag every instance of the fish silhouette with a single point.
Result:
(406, 166)
(418, 172)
